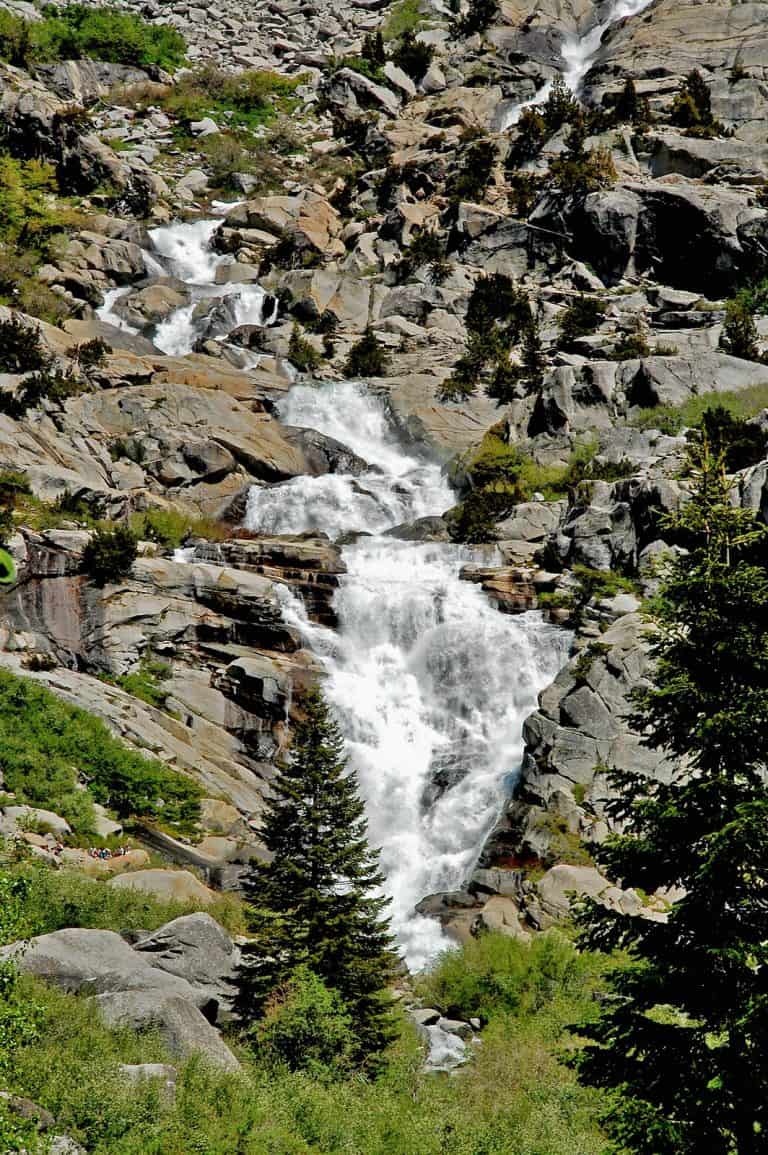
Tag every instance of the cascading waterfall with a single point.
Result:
(430, 682)
(183, 250)
(579, 54)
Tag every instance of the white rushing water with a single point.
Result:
(430, 682)
(183, 250)
(579, 54)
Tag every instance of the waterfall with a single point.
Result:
(182, 250)
(430, 682)
(579, 54)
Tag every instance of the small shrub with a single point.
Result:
(90, 354)
(692, 108)
(472, 175)
(525, 188)
(560, 107)
(739, 336)
(367, 358)
(633, 345)
(479, 16)
(110, 554)
(302, 353)
(21, 347)
(405, 16)
(146, 683)
(412, 55)
(305, 1027)
(530, 138)
(580, 318)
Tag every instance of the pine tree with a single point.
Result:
(316, 904)
(740, 336)
(681, 1042)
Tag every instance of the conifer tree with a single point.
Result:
(315, 905)
(681, 1043)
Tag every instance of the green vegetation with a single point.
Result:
(48, 900)
(32, 223)
(473, 172)
(171, 527)
(249, 99)
(739, 336)
(689, 994)
(302, 353)
(578, 171)
(580, 319)
(498, 317)
(412, 55)
(314, 905)
(14, 487)
(46, 746)
(146, 682)
(500, 476)
(367, 357)
(76, 32)
(672, 419)
(109, 554)
(692, 108)
(479, 16)
(739, 443)
(515, 1095)
(405, 16)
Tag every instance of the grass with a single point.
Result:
(515, 1098)
(47, 746)
(672, 419)
(404, 16)
(57, 899)
(250, 99)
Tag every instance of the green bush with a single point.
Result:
(110, 554)
(305, 1027)
(739, 336)
(580, 319)
(146, 683)
(515, 1096)
(45, 744)
(249, 99)
(367, 358)
(405, 16)
(77, 31)
(495, 974)
(692, 108)
(302, 353)
(412, 55)
(479, 16)
(473, 172)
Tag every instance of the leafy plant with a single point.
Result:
(367, 358)
(110, 554)
(412, 55)
(301, 352)
(44, 743)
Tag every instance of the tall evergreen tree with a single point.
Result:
(315, 905)
(682, 1043)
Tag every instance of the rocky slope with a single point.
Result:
(370, 168)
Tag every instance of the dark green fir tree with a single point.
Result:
(680, 1045)
(317, 905)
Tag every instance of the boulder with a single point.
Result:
(195, 948)
(15, 818)
(184, 1030)
(176, 885)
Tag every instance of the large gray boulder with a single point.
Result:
(182, 1027)
(198, 950)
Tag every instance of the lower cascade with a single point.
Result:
(430, 682)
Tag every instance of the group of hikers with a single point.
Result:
(103, 853)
